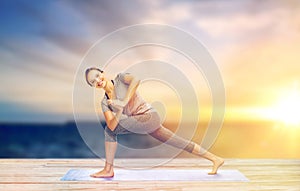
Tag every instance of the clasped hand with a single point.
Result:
(116, 103)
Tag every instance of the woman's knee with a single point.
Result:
(161, 134)
(109, 135)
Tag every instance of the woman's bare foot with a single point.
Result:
(217, 163)
(103, 174)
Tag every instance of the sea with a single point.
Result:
(86, 140)
(65, 140)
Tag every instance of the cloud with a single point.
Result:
(256, 73)
(103, 17)
(246, 19)
(43, 43)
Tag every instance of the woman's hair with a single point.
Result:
(87, 72)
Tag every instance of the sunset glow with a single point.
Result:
(287, 110)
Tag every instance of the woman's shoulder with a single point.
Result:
(124, 76)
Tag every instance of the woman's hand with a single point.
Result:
(112, 120)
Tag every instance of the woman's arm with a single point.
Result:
(133, 85)
(112, 119)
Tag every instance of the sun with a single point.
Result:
(287, 110)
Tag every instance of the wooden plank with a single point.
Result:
(45, 174)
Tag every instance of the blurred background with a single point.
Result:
(255, 44)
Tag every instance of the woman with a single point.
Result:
(125, 112)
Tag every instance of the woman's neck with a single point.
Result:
(109, 87)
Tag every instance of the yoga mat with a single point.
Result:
(156, 175)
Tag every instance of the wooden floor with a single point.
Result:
(45, 174)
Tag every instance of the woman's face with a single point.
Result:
(97, 79)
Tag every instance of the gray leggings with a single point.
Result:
(148, 123)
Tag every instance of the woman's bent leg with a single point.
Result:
(110, 150)
(165, 135)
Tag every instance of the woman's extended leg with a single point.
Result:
(217, 161)
(165, 135)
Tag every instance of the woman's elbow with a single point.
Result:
(111, 126)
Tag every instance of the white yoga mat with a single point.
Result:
(156, 175)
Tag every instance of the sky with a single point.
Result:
(255, 45)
